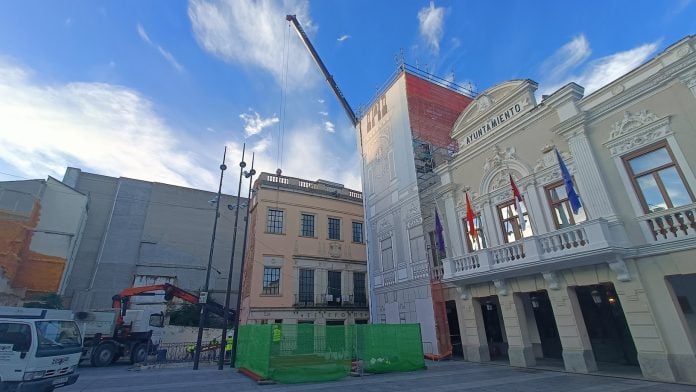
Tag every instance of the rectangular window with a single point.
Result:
(357, 232)
(307, 225)
(271, 280)
(510, 224)
(560, 206)
(334, 229)
(478, 242)
(387, 254)
(359, 294)
(657, 178)
(306, 294)
(333, 297)
(274, 222)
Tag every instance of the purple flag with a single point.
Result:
(439, 238)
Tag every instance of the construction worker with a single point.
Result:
(228, 347)
(276, 333)
(191, 349)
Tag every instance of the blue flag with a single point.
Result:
(568, 181)
(439, 238)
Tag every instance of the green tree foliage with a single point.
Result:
(187, 316)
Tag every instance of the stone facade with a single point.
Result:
(612, 284)
(306, 260)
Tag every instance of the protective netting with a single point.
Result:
(293, 353)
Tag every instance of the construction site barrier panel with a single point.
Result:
(295, 353)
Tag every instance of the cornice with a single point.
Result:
(658, 80)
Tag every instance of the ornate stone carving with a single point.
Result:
(501, 285)
(484, 102)
(335, 250)
(384, 235)
(551, 279)
(631, 122)
(646, 134)
(619, 267)
(413, 209)
(495, 161)
(413, 222)
(463, 291)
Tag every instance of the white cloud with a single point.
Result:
(143, 34)
(566, 58)
(607, 69)
(431, 20)
(329, 126)
(253, 33)
(165, 53)
(343, 37)
(170, 58)
(254, 124)
(595, 74)
(111, 130)
(324, 113)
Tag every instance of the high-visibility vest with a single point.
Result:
(276, 334)
(190, 349)
(228, 345)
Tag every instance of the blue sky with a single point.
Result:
(154, 89)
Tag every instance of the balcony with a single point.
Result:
(329, 301)
(670, 225)
(583, 244)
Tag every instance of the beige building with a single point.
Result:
(306, 259)
(611, 287)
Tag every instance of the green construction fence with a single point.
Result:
(294, 353)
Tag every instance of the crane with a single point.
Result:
(303, 36)
(120, 300)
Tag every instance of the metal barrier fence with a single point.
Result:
(184, 352)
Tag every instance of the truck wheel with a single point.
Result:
(139, 353)
(103, 355)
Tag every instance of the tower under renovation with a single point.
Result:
(404, 134)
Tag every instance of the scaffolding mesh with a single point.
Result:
(294, 353)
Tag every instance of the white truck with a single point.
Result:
(110, 336)
(39, 349)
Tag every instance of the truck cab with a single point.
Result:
(39, 349)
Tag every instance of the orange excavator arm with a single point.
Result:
(120, 300)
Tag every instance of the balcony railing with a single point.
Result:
(329, 301)
(579, 241)
(670, 225)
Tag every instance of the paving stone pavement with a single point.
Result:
(439, 377)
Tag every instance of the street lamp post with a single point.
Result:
(249, 175)
(201, 319)
(223, 342)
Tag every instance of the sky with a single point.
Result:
(155, 90)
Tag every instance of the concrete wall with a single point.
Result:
(138, 230)
(43, 222)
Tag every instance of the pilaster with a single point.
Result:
(472, 330)
(520, 350)
(592, 190)
(577, 350)
(652, 353)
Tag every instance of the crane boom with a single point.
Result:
(120, 300)
(327, 75)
